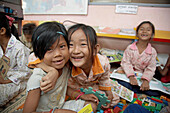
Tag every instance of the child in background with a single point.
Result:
(27, 34)
(17, 53)
(50, 45)
(165, 72)
(140, 57)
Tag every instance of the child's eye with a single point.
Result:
(62, 46)
(49, 50)
(71, 45)
(83, 44)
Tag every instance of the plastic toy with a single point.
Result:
(117, 110)
(103, 99)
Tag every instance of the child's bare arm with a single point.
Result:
(2, 81)
(87, 97)
(32, 100)
(166, 68)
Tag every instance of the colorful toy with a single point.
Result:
(117, 110)
(103, 99)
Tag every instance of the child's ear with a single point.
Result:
(96, 49)
(3, 31)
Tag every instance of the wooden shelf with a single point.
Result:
(160, 36)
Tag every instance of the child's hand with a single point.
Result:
(133, 80)
(110, 97)
(49, 81)
(90, 97)
(145, 85)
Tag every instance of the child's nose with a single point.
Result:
(57, 52)
(76, 49)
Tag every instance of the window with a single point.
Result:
(150, 3)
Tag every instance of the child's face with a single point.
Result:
(145, 32)
(58, 55)
(80, 55)
(28, 37)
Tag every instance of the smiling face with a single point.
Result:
(58, 54)
(80, 51)
(145, 32)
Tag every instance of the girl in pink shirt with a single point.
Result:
(140, 56)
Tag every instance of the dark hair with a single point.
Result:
(89, 33)
(146, 22)
(4, 22)
(14, 31)
(28, 28)
(45, 35)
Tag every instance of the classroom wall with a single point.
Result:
(104, 15)
(99, 15)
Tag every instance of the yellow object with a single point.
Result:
(146, 104)
(162, 36)
(135, 102)
(86, 109)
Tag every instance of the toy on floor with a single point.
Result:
(103, 99)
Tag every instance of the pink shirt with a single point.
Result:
(144, 63)
(99, 76)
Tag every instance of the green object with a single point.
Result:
(103, 99)
(158, 107)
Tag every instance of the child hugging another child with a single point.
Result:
(140, 57)
(89, 69)
(14, 81)
(50, 45)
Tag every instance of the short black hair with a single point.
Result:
(4, 22)
(146, 22)
(45, 35)
(28, 28)
(89, 32)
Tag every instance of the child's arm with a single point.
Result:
(127, 66)
(149, 72)
(2, 81)
(166, 68)
(110, 97)
(32, 100)
(78, 95)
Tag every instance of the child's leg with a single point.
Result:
(9, 91)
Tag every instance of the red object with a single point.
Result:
(108, 110)
(117, 110)
(160, 101)
(51, 110)
(139, 102)
(79, 95)
(135, 95)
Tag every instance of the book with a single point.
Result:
(154, 83)
(122, 91)
(4, 66)
(86, 109)
(112, 55)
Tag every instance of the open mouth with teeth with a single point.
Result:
(77, 58)
(144, 35)
(58, 61)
